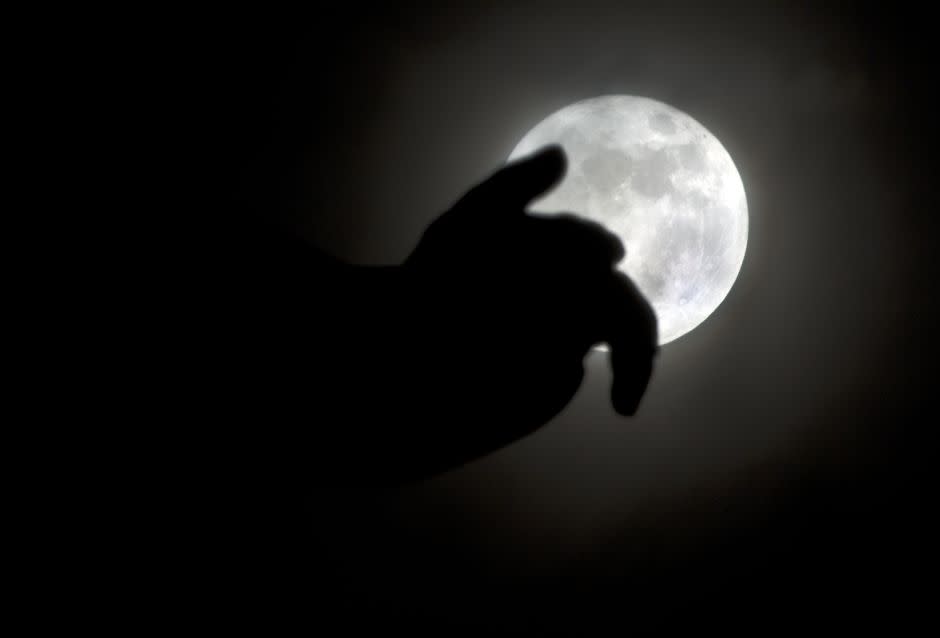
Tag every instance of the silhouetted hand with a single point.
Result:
(391, 373)
(506, 306)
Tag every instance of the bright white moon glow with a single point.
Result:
(662, 183)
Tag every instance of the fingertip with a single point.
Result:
(553, 157)
(625, 407)
(629, 386)
(519, 181)
(545, 165)
(529, 177)
(618, 252)
(556, 151)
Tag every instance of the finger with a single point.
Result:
(521, 181)
(631, 333)
(584, 244)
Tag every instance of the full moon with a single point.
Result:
(662, 183)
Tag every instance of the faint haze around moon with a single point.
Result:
(666, 186)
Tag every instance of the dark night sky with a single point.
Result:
(780, 452)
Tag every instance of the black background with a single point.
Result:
(780, 461)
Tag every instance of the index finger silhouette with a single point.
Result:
(631, 333)
(521, 181)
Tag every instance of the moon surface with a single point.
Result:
(662, 183)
